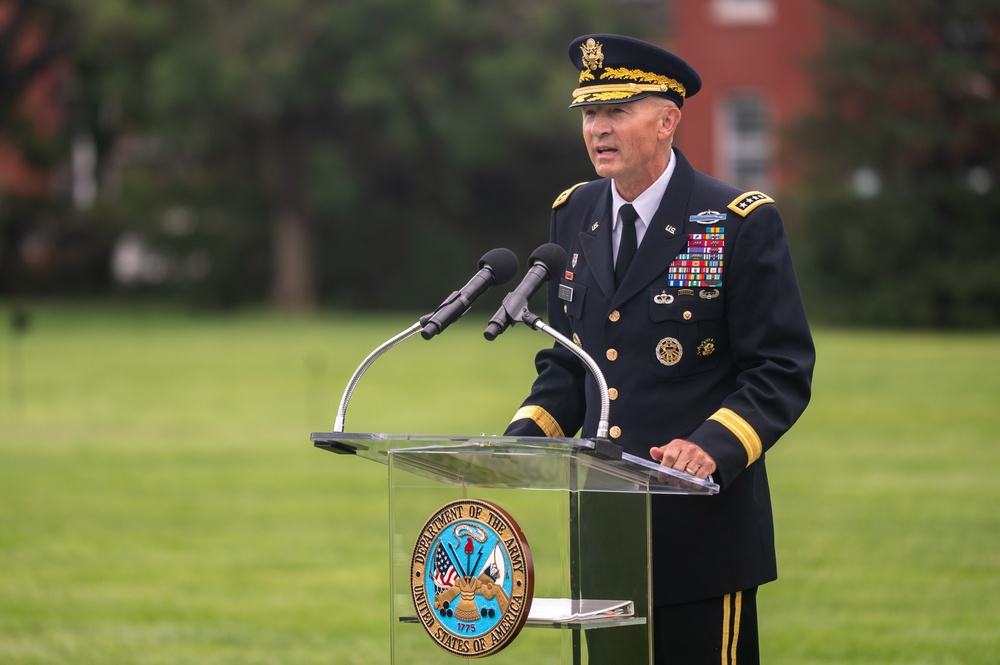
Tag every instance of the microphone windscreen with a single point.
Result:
(502, 262)
(551, 255)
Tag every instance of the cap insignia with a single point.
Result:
(593, 58)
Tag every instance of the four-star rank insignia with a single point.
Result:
(744, 204)
(471, 578)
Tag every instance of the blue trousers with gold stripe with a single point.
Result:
(717, 631)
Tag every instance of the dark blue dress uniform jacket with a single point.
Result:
(742, 378)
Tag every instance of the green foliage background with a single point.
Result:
(386, 133)
(898, 210)
(306, 152)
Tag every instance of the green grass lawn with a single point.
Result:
(160, 501)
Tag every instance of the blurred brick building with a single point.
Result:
(751, 55)
(39, 102)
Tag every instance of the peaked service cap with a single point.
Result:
(615, 69)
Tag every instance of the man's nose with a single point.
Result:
(600, 126)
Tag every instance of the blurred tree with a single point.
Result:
(331, 149)
(35, 38)
(34, 34)
(903, 155)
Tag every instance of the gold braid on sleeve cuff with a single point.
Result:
(549, 426)
(742, 430)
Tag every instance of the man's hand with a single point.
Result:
(684, 456)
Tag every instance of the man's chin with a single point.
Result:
(605, 169)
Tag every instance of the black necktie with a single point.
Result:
(628, 244)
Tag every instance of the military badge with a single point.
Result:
(669, 351)
(745, 204)
(471, 578)
(707, 217)
(593, 55)
(706, 348)
(663, 298)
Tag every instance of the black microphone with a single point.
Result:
(547, 260)
(496, 267)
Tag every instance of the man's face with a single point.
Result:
(628, 141)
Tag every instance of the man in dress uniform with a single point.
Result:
(682, 288)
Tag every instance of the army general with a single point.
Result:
(682, 288)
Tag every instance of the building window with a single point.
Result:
(742, 12)
(745, 141)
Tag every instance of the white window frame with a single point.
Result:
(743, 12)
(736, 149)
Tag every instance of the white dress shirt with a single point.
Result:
(645, 204)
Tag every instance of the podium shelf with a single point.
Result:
(585, 614)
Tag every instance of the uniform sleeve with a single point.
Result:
(771, 344)
(557, 404)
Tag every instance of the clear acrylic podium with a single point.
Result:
(584, 508)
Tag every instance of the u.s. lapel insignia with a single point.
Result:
(471, 578)
(669, 351)
(595, 226)
(671, 229)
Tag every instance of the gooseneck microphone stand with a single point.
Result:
(520, 313)
(338, 426)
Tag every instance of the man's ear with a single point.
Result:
(669, 120)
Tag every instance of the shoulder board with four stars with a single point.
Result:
(562, 198)
(744, 204)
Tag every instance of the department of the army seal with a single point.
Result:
(471, 578)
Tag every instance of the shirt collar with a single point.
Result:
(648, 202)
